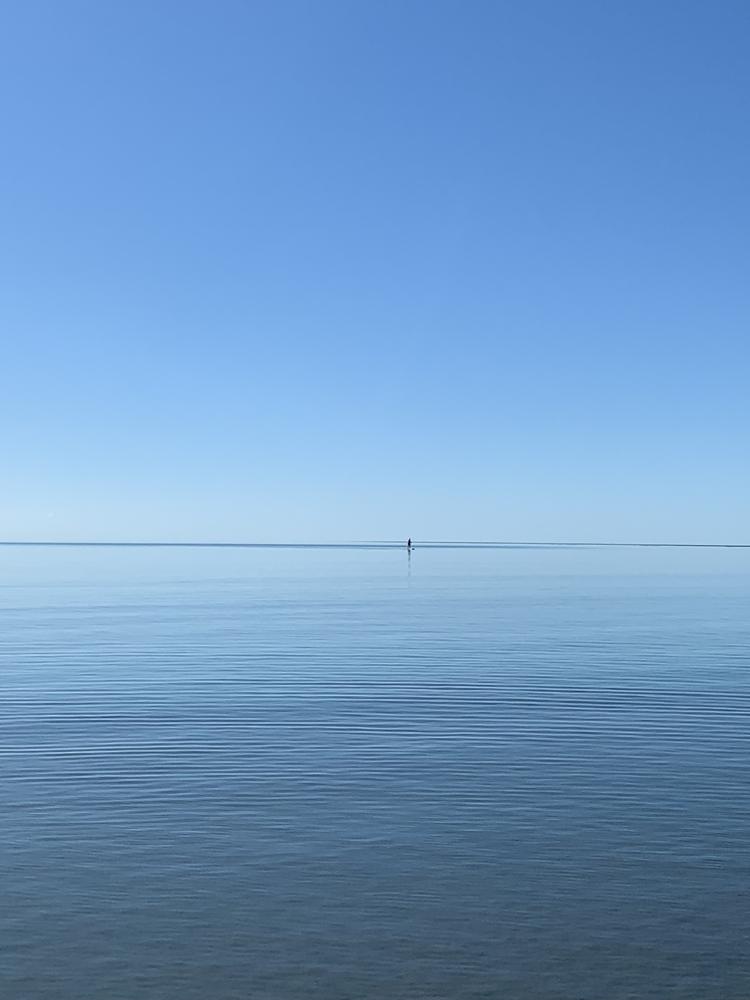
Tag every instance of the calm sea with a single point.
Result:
(341, 774)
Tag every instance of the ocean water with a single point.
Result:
(240, 774)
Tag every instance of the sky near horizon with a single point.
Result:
(344, 270)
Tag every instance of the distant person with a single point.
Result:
(408, 543)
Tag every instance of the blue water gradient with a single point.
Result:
(345, 773)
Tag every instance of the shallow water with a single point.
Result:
(343, 773)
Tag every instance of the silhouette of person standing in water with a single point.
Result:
(408, 543)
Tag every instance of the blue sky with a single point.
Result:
(347, 270)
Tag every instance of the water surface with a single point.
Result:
(344, 774)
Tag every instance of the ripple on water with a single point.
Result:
(343, 785)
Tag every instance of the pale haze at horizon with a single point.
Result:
(344, 271)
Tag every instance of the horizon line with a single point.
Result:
(373, 544)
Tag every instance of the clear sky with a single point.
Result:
(355, 270)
